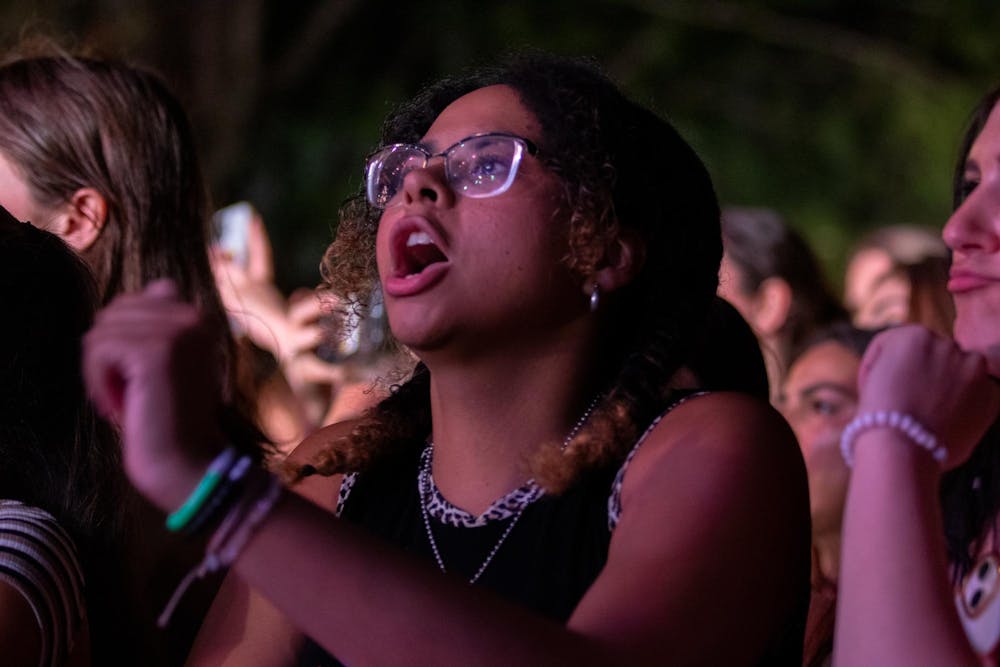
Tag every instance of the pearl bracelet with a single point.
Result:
(899, 421)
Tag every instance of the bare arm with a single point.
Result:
(20, 636)
(662, 596)
(895, 601)
(712, 552)
(719, 483)
(243, 628)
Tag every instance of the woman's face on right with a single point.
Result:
(973, 234)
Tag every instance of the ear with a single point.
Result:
(622, 261)
(773, 301)
(82, 218)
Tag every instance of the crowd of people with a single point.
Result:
(549, 404)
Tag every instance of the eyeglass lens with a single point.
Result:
(476, 167)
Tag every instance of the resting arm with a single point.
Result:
(895, 604)
(895, 600)
(718, 483)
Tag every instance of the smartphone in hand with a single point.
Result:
(232, 230)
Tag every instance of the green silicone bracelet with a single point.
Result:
(183, 514)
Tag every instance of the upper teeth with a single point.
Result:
(418, 238)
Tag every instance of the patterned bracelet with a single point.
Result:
(221, 498)
(214, 475)
(260, 491)
(899, 421)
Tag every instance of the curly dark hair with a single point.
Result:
(622, 168)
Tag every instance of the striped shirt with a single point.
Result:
(39, 560)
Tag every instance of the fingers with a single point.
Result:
(310, 369)
(306, 309)
(104, 381)
(869, 360)
(305, 338)
(913, 371)
(260, 259)
(162, 288)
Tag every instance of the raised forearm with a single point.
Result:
(895, 602)
(367, 604)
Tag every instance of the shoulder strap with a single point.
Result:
(346, 484)
(615, 499)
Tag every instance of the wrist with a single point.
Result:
(903, 425)
(168, 483)
(891, 453)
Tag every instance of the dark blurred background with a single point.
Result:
(842, 115)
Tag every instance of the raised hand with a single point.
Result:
(949, 391)
(152, 365)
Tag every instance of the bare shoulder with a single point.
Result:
(712, 540)
(729, 425)
(319, 489)
(318, 440)
(20, 636)
(723, 445)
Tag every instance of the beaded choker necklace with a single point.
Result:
(510, 507)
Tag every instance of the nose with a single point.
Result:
(428, 184)
(975, 225)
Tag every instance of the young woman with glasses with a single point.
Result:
(551, 485)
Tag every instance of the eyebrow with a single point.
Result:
(830, 386)
(896, 271)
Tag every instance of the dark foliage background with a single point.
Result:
(843, 115)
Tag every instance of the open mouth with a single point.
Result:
(415, 251)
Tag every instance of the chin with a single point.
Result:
(984, 340)
(418, 337)
(973, 334)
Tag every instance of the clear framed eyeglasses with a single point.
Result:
(483, 165)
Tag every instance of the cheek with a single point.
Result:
(976, 320)
(382, 250)
(819, 433)
(806, 432)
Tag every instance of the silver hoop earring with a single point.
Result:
(595, 298)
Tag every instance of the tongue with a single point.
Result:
(419, 257)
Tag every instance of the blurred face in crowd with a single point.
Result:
(731, 287)
(874, 292)
(819, 397)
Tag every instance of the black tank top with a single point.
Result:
(546, 563)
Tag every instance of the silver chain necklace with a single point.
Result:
(526, 494)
